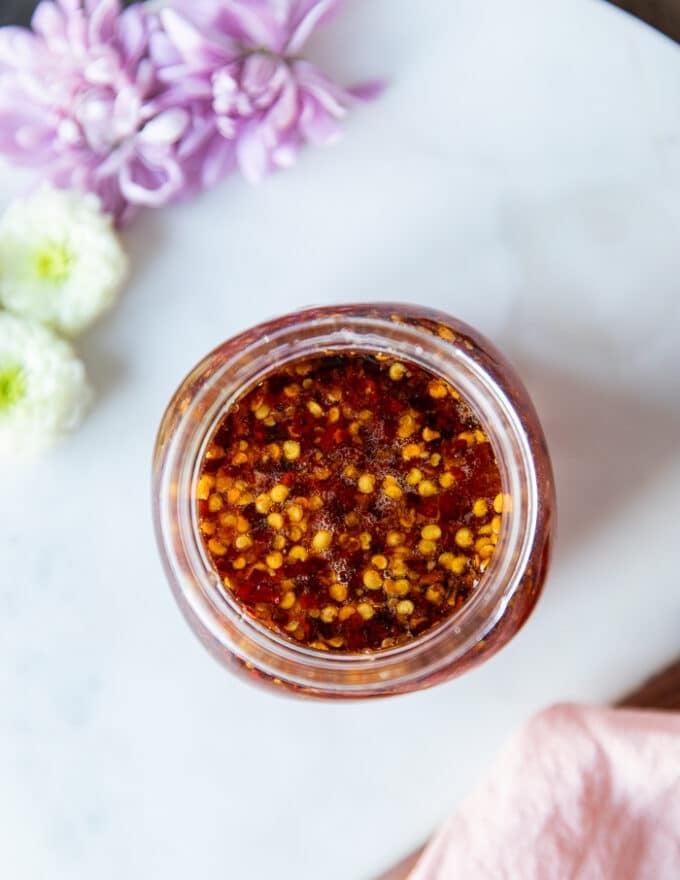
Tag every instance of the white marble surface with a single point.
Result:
(523, 172)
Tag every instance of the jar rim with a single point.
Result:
(238, 364)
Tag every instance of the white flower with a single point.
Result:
(43, 388)
(60, 260)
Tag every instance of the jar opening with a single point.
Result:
(239, 365)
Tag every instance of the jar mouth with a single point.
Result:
(233, 369)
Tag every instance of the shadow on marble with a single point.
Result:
(143, 240)
(106, 370)
(607, 445)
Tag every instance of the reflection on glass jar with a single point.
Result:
(353, 501)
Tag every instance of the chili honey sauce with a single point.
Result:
(350, 502)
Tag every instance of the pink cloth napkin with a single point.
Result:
(580, 794)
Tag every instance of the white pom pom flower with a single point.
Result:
(43, 388)
(61, 262)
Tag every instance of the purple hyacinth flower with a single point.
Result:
(241, 57)
(143, 108)
(80, 99)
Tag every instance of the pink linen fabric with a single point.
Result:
(580, 794)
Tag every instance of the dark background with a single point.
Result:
(662, 14)
(19, 11)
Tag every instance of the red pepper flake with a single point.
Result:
(350, 502)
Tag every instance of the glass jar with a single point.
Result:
(508, 589)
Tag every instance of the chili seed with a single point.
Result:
(350, 502)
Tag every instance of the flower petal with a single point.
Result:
(251, 153)
(331, 96)
(367, 91)
(193, 45)
(50, 23)
(217, 161)
(166, 128)
(102, 15)
(132, 35)
(70, 6)
(126, 113)
(227, 127)
(76, 29)
(162, 50)
(152, 184)
(310, 16)
(18, 47)
(102, 70)
(26, 135)
(257, 72)
(146, 77)
(33, 138)
(316, 124)
(285, 154)
(202, 129)
(253, 22)
(286, 108)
